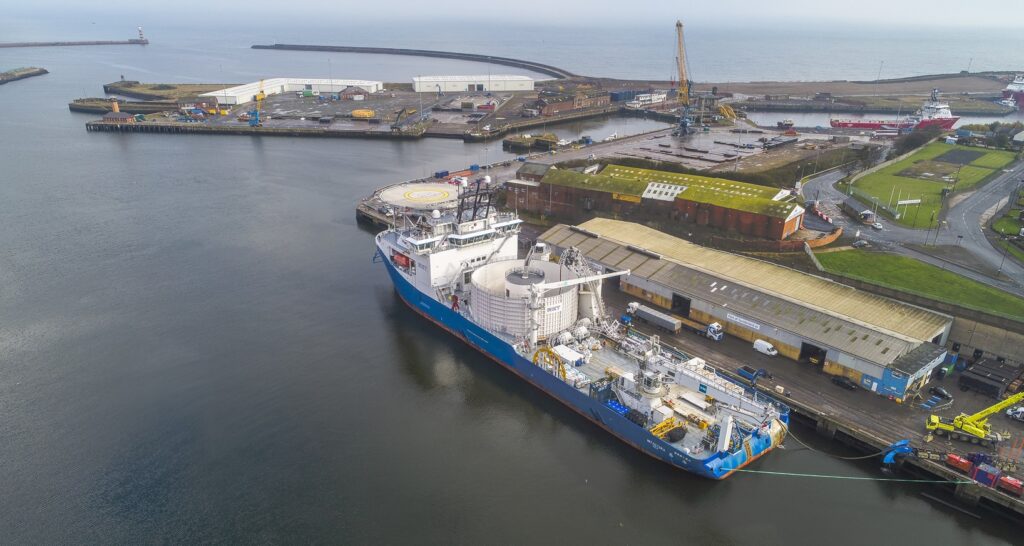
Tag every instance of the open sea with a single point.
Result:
(196, 348)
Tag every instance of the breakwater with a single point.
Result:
(134, 41)
(21, 74)
(506, 61)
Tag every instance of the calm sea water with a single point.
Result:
(196, 347)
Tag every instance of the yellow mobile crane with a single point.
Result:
(972, 428)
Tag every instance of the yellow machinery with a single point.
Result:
(363, 114)
(726, 111)
(661, 429)
(260, 97)
(547, 359)
(972, 428)
(684, 81)
(255, 117)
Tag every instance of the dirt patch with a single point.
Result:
(959, 157)
(931, 170)
(957, 198)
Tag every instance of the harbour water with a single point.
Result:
(196, 347)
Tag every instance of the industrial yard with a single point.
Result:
(611, 288)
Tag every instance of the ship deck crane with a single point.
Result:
(972, 428)
(538, 290)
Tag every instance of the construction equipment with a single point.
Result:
(973, 428)
(726, 111)
(546, 358)
(661, 429)
(255, 116)
(683, 92)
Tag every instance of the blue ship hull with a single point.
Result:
(716, 467)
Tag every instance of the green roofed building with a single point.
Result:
(750, 209)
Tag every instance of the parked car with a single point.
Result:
(1016, 413)
(845, 382)
(877, 225)
(860, 243)
(941, 393)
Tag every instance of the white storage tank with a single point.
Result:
(500, 297)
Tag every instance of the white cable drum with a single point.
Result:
(500, 296)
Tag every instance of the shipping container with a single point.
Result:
(659, 319)
(958, 463)
(985, 474)
(1010, 485)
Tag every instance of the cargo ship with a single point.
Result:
(543, 319)
(933, 113)
(1015, 89)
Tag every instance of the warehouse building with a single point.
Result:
(886, 346)
(749, 209)
(240, 94)
(462, 84)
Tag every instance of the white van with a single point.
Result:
(764, 347)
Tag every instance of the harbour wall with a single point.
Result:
(547, 69)
(134, 41)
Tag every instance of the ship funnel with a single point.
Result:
(114, 106)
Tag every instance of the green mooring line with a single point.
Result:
(799, 475)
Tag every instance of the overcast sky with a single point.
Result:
(916, 13)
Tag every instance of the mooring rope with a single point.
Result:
(859, 457)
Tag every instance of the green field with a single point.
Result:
(909, 275)
(922, 176)
(1008, 225)
(994, 160)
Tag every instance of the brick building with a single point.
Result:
(550, 106)
(748, 209)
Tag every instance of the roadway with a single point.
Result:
(963, 228)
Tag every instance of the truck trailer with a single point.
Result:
(674, 323)
(656, 318)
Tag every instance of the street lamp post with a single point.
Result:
(1003, 260)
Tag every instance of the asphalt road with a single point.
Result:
(963, 228)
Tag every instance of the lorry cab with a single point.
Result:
(764, 347)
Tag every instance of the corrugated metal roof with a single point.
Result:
(870, 327)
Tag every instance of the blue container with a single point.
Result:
(474, 167)
(440, 174)
(985, 474)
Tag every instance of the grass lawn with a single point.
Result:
(1013, 249)
(1008, 225)
(920, 176)
(994, 159)
(916, 277)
